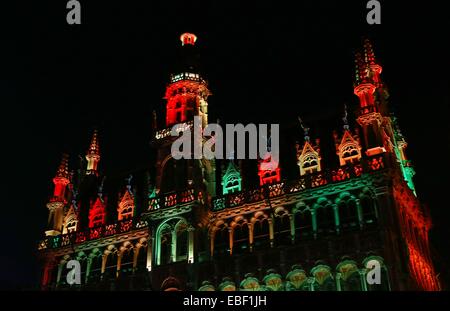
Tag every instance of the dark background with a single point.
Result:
(265, 62)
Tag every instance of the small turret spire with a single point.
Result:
(304, 128)
(58, 200)
(93, 155)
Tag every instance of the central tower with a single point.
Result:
(187, 97)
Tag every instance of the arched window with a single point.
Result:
(182, 241)
(110, 263)
(221, 241)
(126, 264)
(303, 223)
(325, 217)
(368, 208)
(95, 266)
(172, 241)
(141, 248)
(165, 241)
(240, 236)
(261, 231)
(282, 227)
(348, 211)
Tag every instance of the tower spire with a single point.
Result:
(304, 128)
(372, 96)
(58, 200)
(93, 155)
(345, 119)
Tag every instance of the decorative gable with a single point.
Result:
(125, 210)
(348, 149)
(231, 180)
(308, 158)
(70, 221)
(97, 213)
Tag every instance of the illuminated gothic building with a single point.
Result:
(192, 225)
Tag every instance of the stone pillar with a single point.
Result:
(314, 222)
(338, 281)
(362, 275)
(292, 226)
(150, 245)
(271, 232)
(360, 214)
(250, 236)
(191, 231)
(311, 281)
(212, 236)
(135, 257)
(119, 262)
(230, 234)
(337, 221)
(173, 253)
(104, 258)
(88, 268)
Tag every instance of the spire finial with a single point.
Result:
(305, 129)
(346, 126)
(94, 146)
(129, 179)
(63, 169)
(369, 55)
(100, 187)
(93, 155)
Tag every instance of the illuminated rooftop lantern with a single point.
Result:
(188, 38)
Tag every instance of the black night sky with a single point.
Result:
(265, 62)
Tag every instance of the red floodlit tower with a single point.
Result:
(93, 155)
(58, 200)
(372, 100)
(187, 92)
(186, 95)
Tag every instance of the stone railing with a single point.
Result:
(305, 182)
(89, 234)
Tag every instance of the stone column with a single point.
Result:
(337, 221)
(314, 222)
(292, 226)
(230, 234)
(191, 244)
(250, 236)
(362, 275)
(119, 262)
(338, 281)
(150, 245)
(173, 253)
(212, 236)
(311, 281)
(360, 214)
(88, 268)
(271, 232)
